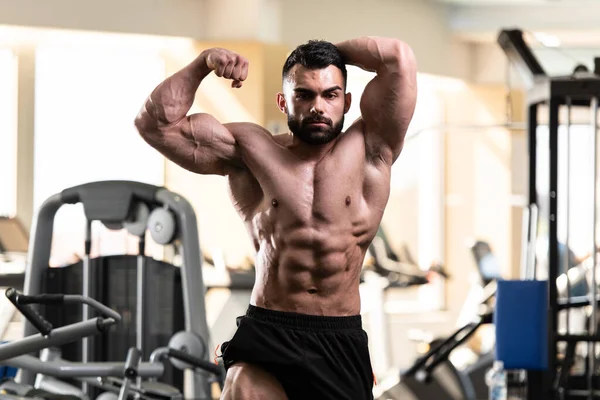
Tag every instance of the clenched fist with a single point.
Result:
(228, 65)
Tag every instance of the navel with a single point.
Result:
(348, 200)
(312, 291)
(274, 203)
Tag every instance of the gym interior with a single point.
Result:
(481, 278)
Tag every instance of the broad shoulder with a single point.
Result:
(283, 139)
(240, 130)
(253, 139)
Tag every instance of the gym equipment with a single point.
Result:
(117, 377)
(520, 307)
(563, 93)
(384, 271)
(434, 375)
(122, 377)
(488, 266)
(180, 352)
(48, 336)
(400, 271)
(157, 298)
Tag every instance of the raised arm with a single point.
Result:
(197, 142)
(388, 102)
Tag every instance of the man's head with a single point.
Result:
(314, 94)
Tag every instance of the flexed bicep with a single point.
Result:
(388, 104)
(198, 143)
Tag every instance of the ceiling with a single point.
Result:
(573, 23)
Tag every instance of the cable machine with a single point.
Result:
(552, 101)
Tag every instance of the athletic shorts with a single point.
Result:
(313, 357)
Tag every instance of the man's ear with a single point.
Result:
(347, 102)
(281, 103)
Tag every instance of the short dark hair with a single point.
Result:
(316, 54)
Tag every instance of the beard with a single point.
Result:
(315, 135)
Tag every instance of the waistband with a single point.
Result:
(303, 321)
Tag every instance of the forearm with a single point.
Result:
(172, 99)
(373, 53)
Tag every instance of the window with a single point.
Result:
(8, 133)
(87, 96)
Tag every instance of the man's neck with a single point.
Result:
(311, 151)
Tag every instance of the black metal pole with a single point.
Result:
(532, 145)
(553, 259)
(534, 378)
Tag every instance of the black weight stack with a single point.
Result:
(113, 281)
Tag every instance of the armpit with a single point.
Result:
(378, 150)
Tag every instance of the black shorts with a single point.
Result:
(313, 357)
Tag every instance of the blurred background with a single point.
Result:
(74, 73)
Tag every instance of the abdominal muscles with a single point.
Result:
(313, 270)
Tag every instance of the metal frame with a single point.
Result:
(555, 92)
(111, 201)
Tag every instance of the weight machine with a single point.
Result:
(553, 101)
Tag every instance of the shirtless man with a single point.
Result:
(312, 201)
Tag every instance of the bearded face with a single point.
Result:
(315, 103)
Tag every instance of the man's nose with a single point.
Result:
(317, 106)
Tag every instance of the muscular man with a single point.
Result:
(311, 199)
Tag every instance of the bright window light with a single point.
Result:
(87, 97)
(8, 133)
(547, 39)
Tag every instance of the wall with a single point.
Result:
(422, 24)
(25, 138)
(8, 126)
(160, 17)
(489, 63)
(274, 56)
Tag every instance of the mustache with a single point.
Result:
(316, 120)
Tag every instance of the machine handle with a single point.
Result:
(195, 361)
(132, 362)
(43, 326)
(45, 299)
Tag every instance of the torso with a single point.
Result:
(311, 220)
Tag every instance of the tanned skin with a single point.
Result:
(310, 209)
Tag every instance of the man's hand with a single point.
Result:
(227, 64)
(196, 142)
